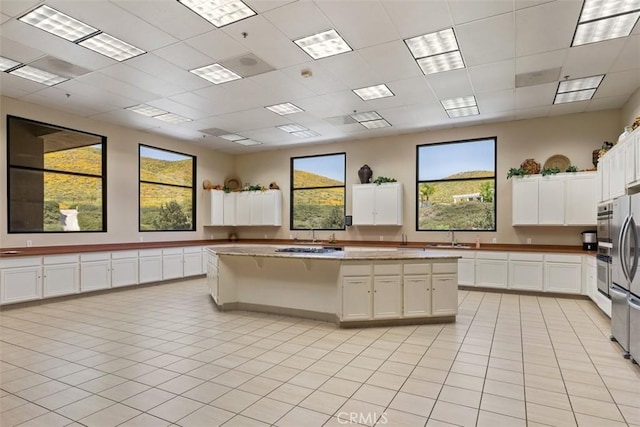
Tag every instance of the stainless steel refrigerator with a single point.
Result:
(625, 287)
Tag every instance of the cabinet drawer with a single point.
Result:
(440, 268)
(387, 269)
(99, 256)
(516, 256)
(356, 270)
(20, 262)
(417, 268)
(574, 259)
(172, 251)
(124, 254)
(150, 252)
(491, 255)
(60, 259)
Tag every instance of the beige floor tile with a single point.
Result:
(111, 416)
(591, 421)
(373, 394)
(455, 414)
(148, 399)
(156, 377)
(207, 392)
(267, 410)
(549, 416)
(180, 384)
(260, 385)
(208, 416)
(597, 408)
(357, 412)
(235, 400)
(10, 401)
(309, 379)
(175, 409)
(631, 413)
(421, 388)
(290, 393)
(124, 391)
(460, 396)
(242, 421)
(430, 374)
(413, 404)
(491, 419)
(207, 371)
(21, 414)
(280, 373)
(145, 420)
(340, 387)
(324, 367)
(62, 398)
(464, 381)
(469, 369)
(544, 383)
(85, 407)
(503, 405)
(24, 383)
(475, 359)
(354, 374)
(382, 379)
(326, 403)
(392, 417)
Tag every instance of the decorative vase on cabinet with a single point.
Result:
(365, 173)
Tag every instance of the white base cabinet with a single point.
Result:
(124, 268)
(563, 273)
(60, 275)
(95, 271)
(150, 265)
(526, 271)
(172, 263)
(491, 269)
(20, 279)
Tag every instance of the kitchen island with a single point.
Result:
(350, 288)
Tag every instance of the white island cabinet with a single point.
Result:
(356, 292)
(377, 204)
(417, 289)
(387, 291)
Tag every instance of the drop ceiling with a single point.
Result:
(498, 40)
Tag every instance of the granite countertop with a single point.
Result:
(271, 252)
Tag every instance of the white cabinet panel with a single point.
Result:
(356, 298)
(60, 279)
(216, 202)
(604, 168)
(526, 275)
(563, 277)
(229, 209)
(629, 148)
(444, 295)
(272, 207)
(616, 171)
(377, 204)
(150, 268)
(491, 273)
(417, 295)
(95, 275)
(387, 297)
(172, 266)
(581, 199)
(467, 272)
(551, 200)
(524, 200)
(243, 208)
(124, 272)
(20, 283)
(192, 265)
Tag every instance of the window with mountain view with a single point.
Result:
(317, 192)
(56, 179)
(456, 186)
(167, 190)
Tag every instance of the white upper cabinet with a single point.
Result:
(616, 171)
(562, 199)
(246, 208)
(377, 204)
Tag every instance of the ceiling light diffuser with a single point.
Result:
(443, 62)
(596, 9)
(462, 112)
(7, 64)
(305, 134)
(324, 44)
(173, 118)
(432, 43)
(284, 109)
(232, 137)
(146, 110)
(363, 117)
(293, 127)
(37, 75)
(375, 124)
(460, 102)
(216, 74)
(605, 29)
(220, 12)
(580, 95)
(373, 92)
(580, 84)
(247, 141)
(112, 47)
(57, 23)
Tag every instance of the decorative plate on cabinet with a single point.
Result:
(558, 161)
(233, 184)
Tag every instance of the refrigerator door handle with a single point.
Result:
(634, 234)
(634, 303)
(621, 248)
(616, 293)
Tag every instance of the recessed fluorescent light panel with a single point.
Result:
(323, 45)
(232, 137)
(112, 47)
(293, 127)
(305, 134)
(157, 113)
(375, 124)
(7, 64)
(370, 120)
(57, 23)
(577, 89)
(172, 118)
(373, 92)
(220, 12)
(38, 75)
(284, 109)
(461, 106)
(606, 19)
(61, 25)
(216, 74)
(247, 141)
(436, 52)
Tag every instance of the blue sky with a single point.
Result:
(161, 154)
(442, 160)
(329, 166)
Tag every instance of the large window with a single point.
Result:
(167, 190)
(317, 192)
(456, 186)
(56, 178)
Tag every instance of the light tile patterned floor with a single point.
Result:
(162, 355)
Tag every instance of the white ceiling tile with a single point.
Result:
(541, 61)
(4, 18)
(532, 113)
(162, 69)
(546, 27)
(56, 97)
(495, 102)
(266, 41)
(608, 103)
(391, 61)
(568, 108)
(299, 19)
(592, 59)
(262, 6)
(323, 106)
(218, 45)
(360, 23)
(414, 18)
(16, 8)
(493, 77)
(16, 87)
(168, 15)
(450, 84)
(252, 119)
(413, 91)
(115, 86)
(471, 10)
(184, 56)
(18, 52)
(417, 116)
(351, 69)
(270, 135)
(135, 77)
(617, 84)
(487, 40)
(535, 96)
(522, 4)
(98, 95)
(174, 107)
(630, 56)
(203, 105)
(278, 87)
(321, 82)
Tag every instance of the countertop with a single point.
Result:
(72, 249)
(271, 252)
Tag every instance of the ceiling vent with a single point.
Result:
(538, 77)
(59, 67)
(214, 131)
(247, 65)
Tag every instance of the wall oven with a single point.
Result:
(605, 245)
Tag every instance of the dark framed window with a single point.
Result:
(56, 178)
(456, 184)
(318, 192)
(167, 190)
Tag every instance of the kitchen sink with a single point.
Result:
(308, 250)
(446, 246)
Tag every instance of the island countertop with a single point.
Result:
(272, 252)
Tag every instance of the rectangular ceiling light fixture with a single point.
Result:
(239, 139)
(216, 74)
(247, 142)
(62, 25)
(57, 23)
(436, 52)
(461, 106)
(605, 19)
(157, 113)
(284, 109)
(219, 12)
(373, 92)
(324, 44)
(292, 127)
(305, 134)
(370, 120)
(37, 75)
(7, 64)
(173, 118)
(375, 124)
(575, 90)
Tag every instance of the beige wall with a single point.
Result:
(574, 136)
(122, 180)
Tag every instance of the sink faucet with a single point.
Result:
(453, 237)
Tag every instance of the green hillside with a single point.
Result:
(446, 190)
(320, 208)
(167, 172)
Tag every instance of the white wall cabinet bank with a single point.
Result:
(377, 204)
(246, 208)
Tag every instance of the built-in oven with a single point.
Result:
(605, 214)
(604, 273)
